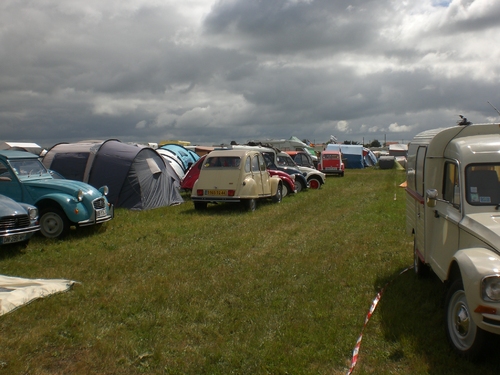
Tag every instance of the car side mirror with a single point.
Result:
(431, 196)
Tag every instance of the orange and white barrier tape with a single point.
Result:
(375, 302)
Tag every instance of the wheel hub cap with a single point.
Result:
(462, 321)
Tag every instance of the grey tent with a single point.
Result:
(137, 176)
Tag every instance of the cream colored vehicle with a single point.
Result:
(453, 201)
(235, 176)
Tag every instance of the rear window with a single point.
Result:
(331, 156)
(222, 162)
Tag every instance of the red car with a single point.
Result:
(192, 174)
(287, 179)
(330, 162)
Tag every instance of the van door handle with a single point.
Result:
(436, 214)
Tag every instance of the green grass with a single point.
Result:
(282, 290)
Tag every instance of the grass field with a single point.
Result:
(282, 290)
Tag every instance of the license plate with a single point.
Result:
(14, 238)
(100, 213)
(331, 168)
(216, 192)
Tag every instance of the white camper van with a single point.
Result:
(453, 201)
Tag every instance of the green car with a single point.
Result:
(61, 203)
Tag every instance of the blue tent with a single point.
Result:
(351, 154)
(186, 156)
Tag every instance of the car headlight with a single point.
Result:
(104, 190)
(490, 287)
(33, 213)
(79, 195)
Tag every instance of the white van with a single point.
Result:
(453, 201)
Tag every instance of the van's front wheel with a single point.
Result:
(466, 338)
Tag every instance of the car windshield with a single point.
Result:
(27, 167)
(222, 162)
(286, 161)
(482, 184)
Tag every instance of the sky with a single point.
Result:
(211, 72)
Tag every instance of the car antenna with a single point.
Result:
(494, 107)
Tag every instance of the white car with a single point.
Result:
(314, 177)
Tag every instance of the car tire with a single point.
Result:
(277, 198)
(250, 204)
(53, 223)
(286, 190)
(314, 183)
(420, 268)
(298, 186)
(465, 337)
(200, 206)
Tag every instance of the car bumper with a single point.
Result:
(17, 235)
(216, 199)
(95, 219)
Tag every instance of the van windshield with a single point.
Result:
(482, 184)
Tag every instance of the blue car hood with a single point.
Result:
(51, 185)
(10, 207)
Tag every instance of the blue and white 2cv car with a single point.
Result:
(61, 203)
(235, 176)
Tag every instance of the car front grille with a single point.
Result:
(14, 222)
(99, 204)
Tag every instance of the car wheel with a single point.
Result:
(314, 183)
(250, 204)
(421, 269)
(464, 335)
(200, 205)
(285, 190)
(279, 194)
(53, 223)
(298, 186)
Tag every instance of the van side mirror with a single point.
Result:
(431, 196)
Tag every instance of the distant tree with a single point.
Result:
(375, 143)
(351, 143)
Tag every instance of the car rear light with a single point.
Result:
(230, 193)
(199, 192)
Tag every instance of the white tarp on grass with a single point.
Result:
(17, 291)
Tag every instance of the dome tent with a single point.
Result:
(186, 157)
(137, 176)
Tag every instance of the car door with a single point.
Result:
(442, 228)
(265, 176)
(256, 173)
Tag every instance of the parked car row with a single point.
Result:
(246, 174)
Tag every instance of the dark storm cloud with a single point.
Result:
(278, 27)
(212, 72)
